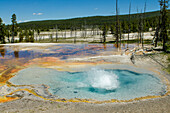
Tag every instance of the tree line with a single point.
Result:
(7, 31)
(151, 22)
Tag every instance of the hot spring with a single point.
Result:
(96, 83)
(86, 71)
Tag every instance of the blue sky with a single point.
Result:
(31, 10)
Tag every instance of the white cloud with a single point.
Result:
(19, 21)
(96, 8)
(37, 13)
(40, 14)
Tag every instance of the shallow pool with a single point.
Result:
(97, 83)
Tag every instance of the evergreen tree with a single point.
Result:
(134, 27)
(31, 36)
(164, 24)
(147, 26)
(26, 36)
(112, 29)
(21, 36)
(14, 26)
(2, 32)
(105, 30)
(1, 29)
(38, 32)
(8, 34)
(124, 26)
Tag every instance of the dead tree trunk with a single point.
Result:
(85, 32)
(156, 37)
(143, 25)
(138, 28)
(71, 32)
(129, 30)
(65, 34)
(117, 24)
(75, 35)
(141, 32)
(120, 33)
(56, 33)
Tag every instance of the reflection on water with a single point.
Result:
(63, 51)
(2, 51)
(16, 53)
(18, 56)
(105, 47)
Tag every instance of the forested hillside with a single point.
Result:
(151, 20)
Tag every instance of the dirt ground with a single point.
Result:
(160, 105)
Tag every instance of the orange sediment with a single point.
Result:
(7, 99)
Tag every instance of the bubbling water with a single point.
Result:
(102, 79)
(96, 83)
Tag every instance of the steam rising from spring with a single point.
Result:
(102, 79)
